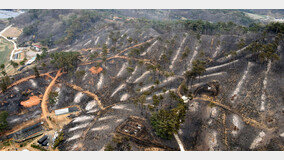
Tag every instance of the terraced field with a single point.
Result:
(5, 50)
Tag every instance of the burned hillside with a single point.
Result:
(144, 84)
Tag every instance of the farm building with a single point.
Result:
(61, 111)
(65, 110)
(44, 143)
(42, 139)
(27, 133)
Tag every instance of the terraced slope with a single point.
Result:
(246, 114)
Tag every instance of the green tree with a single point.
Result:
(198, 68)
(36, 72)
(3, 73)
(3, 121)
(66, 60)
(167, 122)
(2, 66)
(14, 64)
(186, 52)
(5, 82)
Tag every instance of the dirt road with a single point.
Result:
(247, 120)
(15, 45)
(44, 106)
(26, 79)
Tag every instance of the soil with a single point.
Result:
(32, 101)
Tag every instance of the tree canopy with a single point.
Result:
(66, 60)
(167, 122)
(3, 121)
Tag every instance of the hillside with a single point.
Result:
(140, 83)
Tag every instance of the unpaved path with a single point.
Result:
(179, 142)
(15, 45)
(247, 120)
(75, 87)
(137, 45)
(26, 79)
(86, 92)
(44, 106)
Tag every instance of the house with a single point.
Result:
(36, 47)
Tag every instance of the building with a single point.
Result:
(42, 139)
(36, 47)
(29, 62)
(185, 99)
(17, 54)
(66, 110)
(61, 111)
(27, 133)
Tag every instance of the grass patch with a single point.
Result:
(6, 48)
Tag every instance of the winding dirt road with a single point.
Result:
(26, 79)
(44, 106)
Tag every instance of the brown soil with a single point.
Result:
(32, 101)
(96, 70)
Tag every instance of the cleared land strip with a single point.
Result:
(177, 53)
(99, 114)
(179, 142)
(263, 96)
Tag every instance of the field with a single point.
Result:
(5, 50)
(12, 32)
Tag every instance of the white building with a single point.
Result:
(61, 111)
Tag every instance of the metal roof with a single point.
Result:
(61, 111)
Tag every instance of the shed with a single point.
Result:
(61, 111)
(73, 109)
(42, 139)
(45, 143)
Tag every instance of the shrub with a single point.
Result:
(38, 147)
(58, 140)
